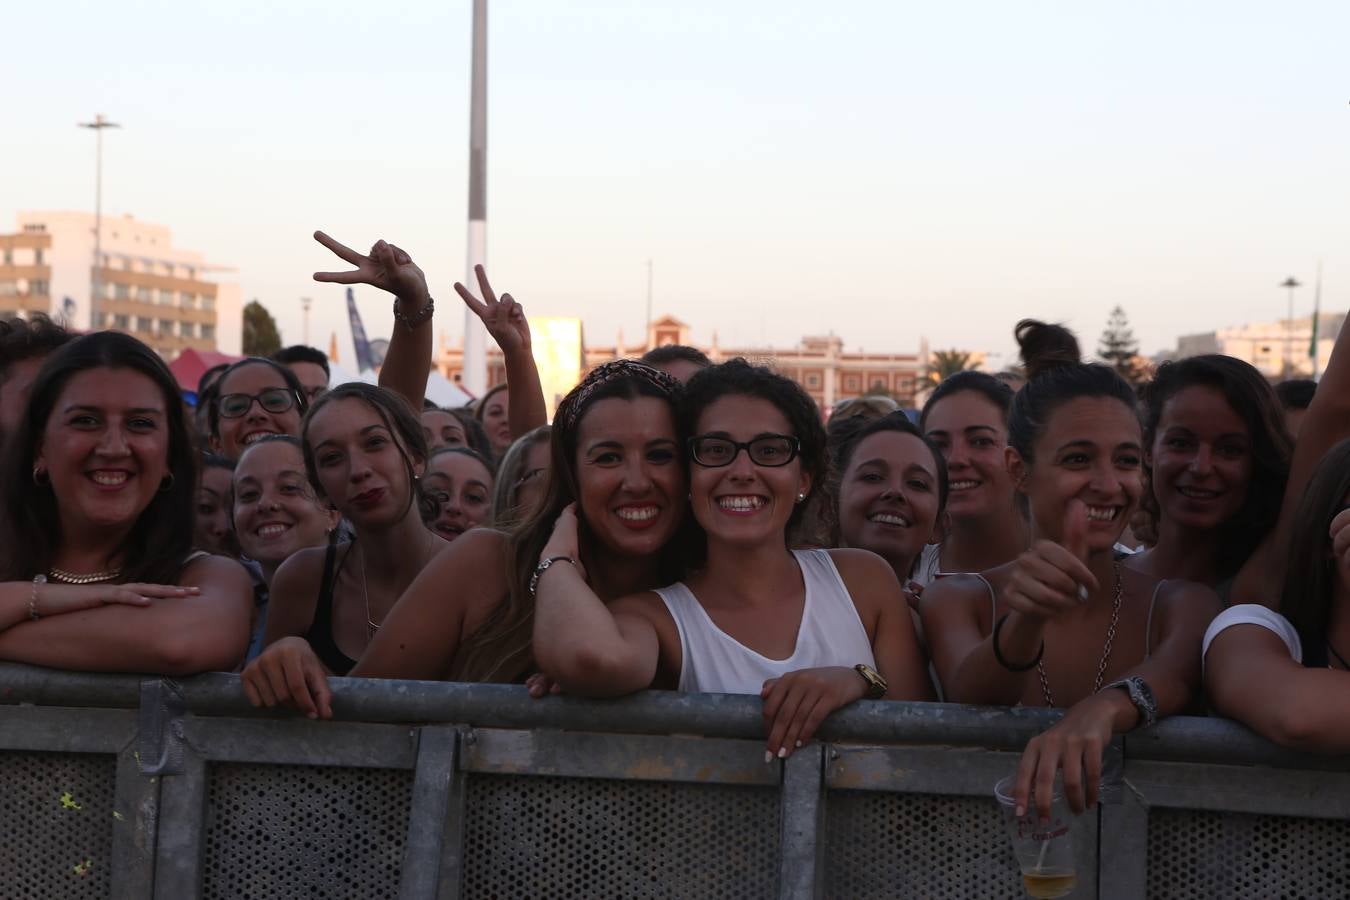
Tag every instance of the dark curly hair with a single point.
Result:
(22, 339)
(1310, 577)
(1255, 402)
(738, 377)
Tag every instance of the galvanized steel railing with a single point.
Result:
(117, 786)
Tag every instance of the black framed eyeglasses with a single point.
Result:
(273, 400)
(768, 450)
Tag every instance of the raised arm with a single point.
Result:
(1326, 424)
(407, 364)
(201, 631)
(505, 320)
(578, 641)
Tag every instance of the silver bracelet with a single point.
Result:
(33, 600)
(542, 568)
(422, 316)
(1141, 695)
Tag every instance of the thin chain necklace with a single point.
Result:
(65, 577)
(371, 626)
(1106, 651)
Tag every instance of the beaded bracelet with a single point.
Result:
(998, 654)
(422, 316)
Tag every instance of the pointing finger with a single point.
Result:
(339, 248)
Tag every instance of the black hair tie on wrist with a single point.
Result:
(998, 654)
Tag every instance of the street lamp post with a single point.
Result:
(1291, 283)
(96, 283)
(304, 308)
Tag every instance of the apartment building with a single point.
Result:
(162, 294)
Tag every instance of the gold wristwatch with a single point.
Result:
(876, 685)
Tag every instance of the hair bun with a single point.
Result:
(1045, 347)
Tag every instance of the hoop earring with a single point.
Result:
(41, 477)
(166, 484)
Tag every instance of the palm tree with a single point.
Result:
(943, 364)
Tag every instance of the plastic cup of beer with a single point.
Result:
(1044, 850)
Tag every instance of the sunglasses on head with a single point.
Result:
(273, 400)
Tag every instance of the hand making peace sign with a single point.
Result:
(504, 319)
(387, 268)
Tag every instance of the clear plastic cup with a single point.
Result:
(1044, 851)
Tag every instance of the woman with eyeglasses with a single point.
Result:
(253, 399)
(809, 631)
(457, 486)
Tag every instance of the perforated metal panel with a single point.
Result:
(917, 845)
(56, 824)
(584, 838)
(1245, 857)
(304, 831)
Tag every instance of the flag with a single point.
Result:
(363, 360)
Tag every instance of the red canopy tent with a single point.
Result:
(191, 364)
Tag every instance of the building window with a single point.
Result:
(8, 289)
(145, 323)
(187, 329)
(165, 327)
(122, 321)
(122, 291)
(9, 257)
(38, 287)
(852, 383)
(146, 294)
(208, 303)
(166, 298)
(189, 301)
(37, 256)
(813, 380)
(208, 332)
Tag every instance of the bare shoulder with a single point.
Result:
(1186, 602)
(864, 566)
(957, 589)
(215, 569)
(643, 605)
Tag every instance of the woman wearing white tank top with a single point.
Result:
(809, 631)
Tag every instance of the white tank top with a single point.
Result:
(831, 634)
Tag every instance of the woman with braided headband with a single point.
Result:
(617, 455)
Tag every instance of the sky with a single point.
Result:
(886, 171)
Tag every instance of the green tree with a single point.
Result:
(1118, 347)
(943, 364)
(261, 337)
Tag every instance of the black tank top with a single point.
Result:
(320, 634)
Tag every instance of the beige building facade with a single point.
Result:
(164, 295)
(1277, 349)
(820, 364)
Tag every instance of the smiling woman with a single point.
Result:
(253, 399)
(806, 630)
(1075, 454)
(97, 525)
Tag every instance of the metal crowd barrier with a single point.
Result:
(113, 786)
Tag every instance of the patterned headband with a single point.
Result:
(569, 411)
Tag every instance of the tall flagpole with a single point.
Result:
(475, 351)
(1317, 312)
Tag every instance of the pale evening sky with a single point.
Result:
(884, 170)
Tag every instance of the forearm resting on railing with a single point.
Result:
(580, 644)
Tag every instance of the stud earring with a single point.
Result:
(801, 498)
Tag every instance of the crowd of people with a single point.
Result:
(1053, 537)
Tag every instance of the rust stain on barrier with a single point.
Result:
(651, 769)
